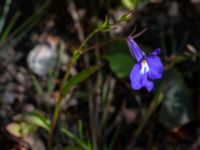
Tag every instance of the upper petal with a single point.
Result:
(156, 67)
(135, 50)
(136, 77)
(155, 52)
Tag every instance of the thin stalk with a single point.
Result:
(75, 56)
(71, 63)
(114, 39)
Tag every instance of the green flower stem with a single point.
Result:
(75, 56)
(71, 63)
(114, 39)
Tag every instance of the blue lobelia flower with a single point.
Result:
(148, 67)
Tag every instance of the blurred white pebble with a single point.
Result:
(42, 58)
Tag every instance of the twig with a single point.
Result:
(114, 39)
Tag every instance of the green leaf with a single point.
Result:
(177, 108)
(83, 75)
(75, 138)
(20, 129)
(68, 133)
(120, 63)
(38, 119)
(105, 25)
(130, 4)
(126, 17)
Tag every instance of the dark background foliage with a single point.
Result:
(103, 108)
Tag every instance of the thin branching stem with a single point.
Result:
(71, 63)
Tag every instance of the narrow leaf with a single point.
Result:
(38, 119)
(20, 129)
(83, 75)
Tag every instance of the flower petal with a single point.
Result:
(156, 67)
(135, 50)
(136, 77)
(146, 83)
(155, 52)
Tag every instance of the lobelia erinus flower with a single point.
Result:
(148, 67)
